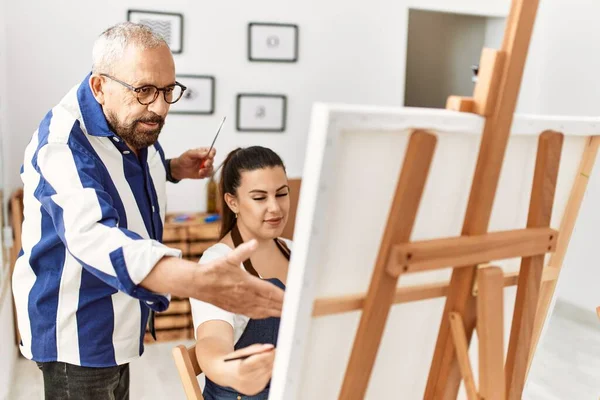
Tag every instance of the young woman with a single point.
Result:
(256, 203)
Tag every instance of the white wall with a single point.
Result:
(570, 81)
(348, 53)
(494, 32)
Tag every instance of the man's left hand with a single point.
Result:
(193, 164)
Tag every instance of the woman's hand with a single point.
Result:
(251, 375)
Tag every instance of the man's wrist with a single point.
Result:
(198, 280)
(172, 175)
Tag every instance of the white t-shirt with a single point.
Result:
(202, 312)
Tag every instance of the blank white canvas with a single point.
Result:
(354, 156)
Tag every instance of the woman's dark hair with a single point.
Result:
(237, 161)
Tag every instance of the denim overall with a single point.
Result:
(262, 331)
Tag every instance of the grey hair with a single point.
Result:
(111, 44)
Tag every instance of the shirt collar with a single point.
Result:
(91, 111)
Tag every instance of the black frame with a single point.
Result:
(212, 100)
(296, 41)
(238, 112)
(179, 15)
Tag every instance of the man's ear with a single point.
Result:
(96, 83)
(231, 202)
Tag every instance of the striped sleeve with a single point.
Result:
(166, 162)
(72, 192)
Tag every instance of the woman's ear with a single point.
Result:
(231, 202)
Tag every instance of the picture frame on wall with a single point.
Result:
(259, 112)
(199, 96)
(167, 24)
(273, 42)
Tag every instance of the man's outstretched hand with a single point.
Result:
(223, 283)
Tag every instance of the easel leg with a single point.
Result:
(462, 354)
(490, 330)
(566, 229)
(382, 289)
(530, 275)
(444, 377)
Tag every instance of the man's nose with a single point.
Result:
(159, 106)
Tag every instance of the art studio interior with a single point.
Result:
(299, 200)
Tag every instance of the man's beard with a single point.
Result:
(137, 138)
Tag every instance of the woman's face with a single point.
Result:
(262, 202)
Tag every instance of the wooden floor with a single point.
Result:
(567, 366)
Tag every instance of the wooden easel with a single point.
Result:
(475, 292)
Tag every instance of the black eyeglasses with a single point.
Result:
(148, 94)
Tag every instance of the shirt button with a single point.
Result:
(116, 139)
(126, 152)
(153, 209)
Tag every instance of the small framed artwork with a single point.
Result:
(272, 42)
(198, 98)
(261, 112)
(167, 25)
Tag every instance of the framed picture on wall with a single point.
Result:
(261, 112)
(198, 98)
(272, 42)
(168, 25)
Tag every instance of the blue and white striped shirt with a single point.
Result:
(94, 217)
